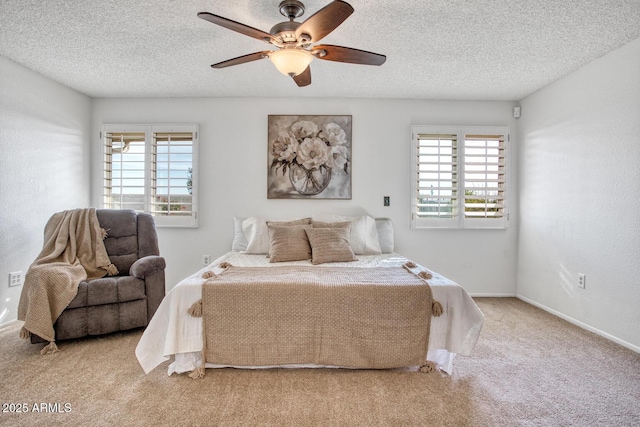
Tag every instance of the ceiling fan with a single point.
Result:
(294, 40)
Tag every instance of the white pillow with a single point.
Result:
(257, 233)
(364, 234)
(256, 230)
(384, 227)
(239, 239)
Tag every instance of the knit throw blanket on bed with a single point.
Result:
(373, 318)
(73, 251)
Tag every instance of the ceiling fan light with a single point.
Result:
(291, 62)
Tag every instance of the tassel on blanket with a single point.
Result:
(425, 275)
(49, 348)
(436, 308)
(428, 367)
(208, 275)
(197, 374)
(196, 309)
(24, 334)
(112, 270)
(410, 264)
(225, 265)
(104, 233)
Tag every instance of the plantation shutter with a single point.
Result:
(171, 168)
(460, 177)
(124, 170)
(151, 168)
(484, 176)
(437, 177)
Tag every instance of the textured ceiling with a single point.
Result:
(436, 49)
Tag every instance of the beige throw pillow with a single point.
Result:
(321, 224)
(289, 243)
(257, 232)
(301, 221)
(363, 237)
(330, 245)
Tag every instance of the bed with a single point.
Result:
(174, 332)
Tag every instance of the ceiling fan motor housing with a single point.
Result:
(292, 9)
(286, 30)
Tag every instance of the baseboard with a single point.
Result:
(7, 324)
(492, 295)
(581, 324)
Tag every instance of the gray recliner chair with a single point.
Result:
(125, 301)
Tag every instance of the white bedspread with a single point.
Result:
(173, 332)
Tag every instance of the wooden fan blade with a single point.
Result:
(242, 59)
(237, 27)
(347, 54)
(304, 78)
(325, 20)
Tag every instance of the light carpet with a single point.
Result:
(529, 368)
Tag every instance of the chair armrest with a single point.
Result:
(147, 265)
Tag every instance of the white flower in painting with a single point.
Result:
(285, 147)
(337, 157)
(304, 129)
(311, 146)
(334, 134)
(313, 152)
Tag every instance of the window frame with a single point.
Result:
(458, 220)
(162, 221)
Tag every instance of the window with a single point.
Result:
(152, 168)
(459, 177)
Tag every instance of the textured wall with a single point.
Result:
(44, 166)
(579, 169)
(233, 177)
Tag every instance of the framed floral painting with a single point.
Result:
(309, 157)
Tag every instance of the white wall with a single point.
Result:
(579, 171)
(233, 177)
(44, 166)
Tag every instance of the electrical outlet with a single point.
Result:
(582, 278)
(387, 201)
(206, 259)
(15, 278)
